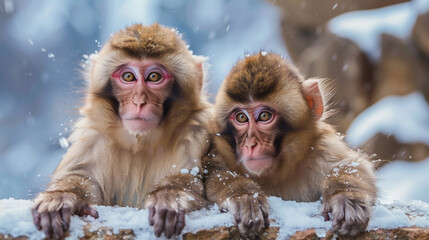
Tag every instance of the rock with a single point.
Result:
(297, 39)
(349, 70)
(400, 70)
(387, 148)
(414, 233)
(310, 13)
(421, 38)
(217, 233)
(224, 233)
(421, 33)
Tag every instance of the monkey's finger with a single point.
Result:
(266, 217)
(326, 216)
(257, 216)
(236, 209)
(65, 216)
(263, 205)
(338, 214)
(151, 216)
(246, 212)
(90, 211)
(170, 223)
(45, 222)
(36, 217)
(56, 223)
(326, 210)
(159, 221)
(180, 222)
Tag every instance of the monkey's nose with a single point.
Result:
(139, 101)
(250, 143)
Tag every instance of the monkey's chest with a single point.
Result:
(132, 184)
(301, 188)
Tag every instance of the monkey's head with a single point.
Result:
(265, 113)
(145, 74)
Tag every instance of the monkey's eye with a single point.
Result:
(128, 77)
(154, 77)
(241, 118)
(264, 116)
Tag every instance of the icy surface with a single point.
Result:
(405, 117)
(290, 216)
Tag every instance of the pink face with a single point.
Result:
(141, 89)
(255, 134)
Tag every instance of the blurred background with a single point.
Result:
(375, 51)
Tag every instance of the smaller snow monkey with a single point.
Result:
(271, 140)
(141, 139)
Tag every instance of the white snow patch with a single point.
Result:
(365, 27)
(405, 117)
(294, 216)
(195, 170)
(290, 216)
(16, 220)
(403, 181)
(63, 143)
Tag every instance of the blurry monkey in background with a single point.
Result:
(272, 140)
(141, 138)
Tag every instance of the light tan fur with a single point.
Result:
(313, 161)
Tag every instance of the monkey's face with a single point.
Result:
(262, 114)
(141, 89)
(255, 133)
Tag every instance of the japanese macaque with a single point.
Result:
(141, 138)
(271, 139)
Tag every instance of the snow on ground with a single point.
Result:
(290, 216)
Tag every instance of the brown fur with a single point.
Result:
(313, 161)
(106, 164)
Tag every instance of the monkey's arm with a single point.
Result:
(168, 203)
(349, 193)
(239, 195)
(70, 192)
(179, 193)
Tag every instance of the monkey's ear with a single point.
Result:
(313, 97)
(202, 66)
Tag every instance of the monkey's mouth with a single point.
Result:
(140, 124)
(257, 164)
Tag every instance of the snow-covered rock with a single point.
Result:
(289, 217)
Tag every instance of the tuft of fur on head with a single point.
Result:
(138, 43)
(269, 79)
(151, 41)
(263, 77)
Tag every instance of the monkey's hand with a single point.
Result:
(250, 211)
(167, 210)
(52, 212)
(350, 213)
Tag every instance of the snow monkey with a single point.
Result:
(271, 139)
(141, 138)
